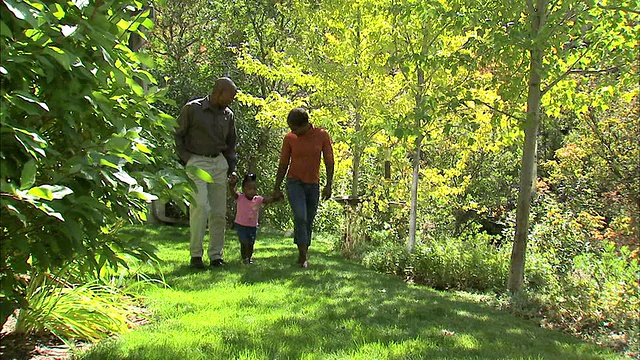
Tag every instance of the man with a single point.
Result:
(302, 149)
(206, 138)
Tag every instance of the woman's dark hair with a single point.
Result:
(298, 116)
(250, 177)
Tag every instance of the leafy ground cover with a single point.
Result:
(333, 310)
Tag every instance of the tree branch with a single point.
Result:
(496, 110)
(598, 71)
(565, 74)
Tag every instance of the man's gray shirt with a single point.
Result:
(206, 130)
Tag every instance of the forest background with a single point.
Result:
(466, 135)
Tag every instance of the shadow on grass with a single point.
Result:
(345, 311)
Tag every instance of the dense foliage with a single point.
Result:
(81, 139)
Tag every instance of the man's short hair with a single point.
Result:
(298, 116)
(222, 84)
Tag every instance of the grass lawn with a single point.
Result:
(335, 309)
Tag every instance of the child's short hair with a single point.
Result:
(250, 177)
(298, 116)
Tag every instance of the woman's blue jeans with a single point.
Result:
(303, 199)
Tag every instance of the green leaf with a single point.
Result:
(106, 56)
(41, 193)
(28, 176)
(57, 191)
(50, 211)
(15, 212)
(59, 11)
(32, 143)
(20, 13)
(118, 144)
(123, 24)
(108, 163)
(135, 86)
(140, 194)
(143, 148)
(32, 99)
(5, 31)
(60, 55)
(148, 23)
(125, 178)
(26, 106)
(201, 174)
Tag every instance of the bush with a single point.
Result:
(461, 263)
(589, 288)
(84, 146)
(452, 263)
(90, 311)
(599, 296)
(389, 256)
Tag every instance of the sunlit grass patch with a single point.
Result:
(333, 310)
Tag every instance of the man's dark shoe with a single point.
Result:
(217, 263)
(196, 263)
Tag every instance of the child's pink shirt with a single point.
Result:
(248, 210)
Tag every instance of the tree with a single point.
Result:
(426, 38)
(348, 55)
(561, 42)
(187, 47)
(79, 135)
(537, 13)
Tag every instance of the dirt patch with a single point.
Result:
(35, 347)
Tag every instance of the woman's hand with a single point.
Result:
(326, 192)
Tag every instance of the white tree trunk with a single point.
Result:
(411, 242)
(537, 9)
(357, 154)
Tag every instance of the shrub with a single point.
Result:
(86, 312)
(390, 256)
(466, 262)
(599, 296)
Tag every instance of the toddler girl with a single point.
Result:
(248, 208)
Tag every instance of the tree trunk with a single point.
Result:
(357, 155)
(516, 276)
(411, 243)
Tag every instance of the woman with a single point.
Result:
(300, 156)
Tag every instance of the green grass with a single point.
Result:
(332, 310)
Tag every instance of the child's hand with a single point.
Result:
(277, 196)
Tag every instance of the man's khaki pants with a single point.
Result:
(210, 204)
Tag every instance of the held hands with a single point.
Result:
(233, 179)
(277, 195)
